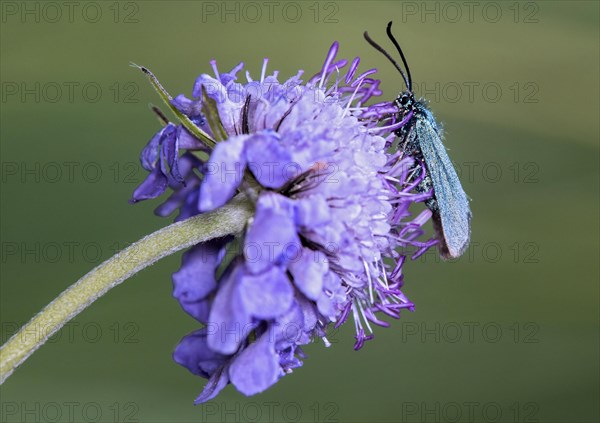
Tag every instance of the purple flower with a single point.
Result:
(331, 229)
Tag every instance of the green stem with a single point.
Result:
(224, 221)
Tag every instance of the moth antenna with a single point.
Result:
(391, 36)
(387, 55)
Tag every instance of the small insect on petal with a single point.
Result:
(421, 138)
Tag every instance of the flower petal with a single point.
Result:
(224, 173)
(308, 271)
(191, 108)
(229, 322)
(189, 142)
(289, 329)
(153, 186)
(150, 153)
(215, 384)
(269, 161)
(196, 277)
(267, 295)
(272, 238)
(193, 353)
(170, 156)
(312, 211)
(199, 310)
(184, 196)
(256, 368)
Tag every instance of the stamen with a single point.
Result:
(422, 218)
(379, 112)
(352, 69)
(334, 89)
(418, 180)
(357, 325)
(362, 312)
(213, 64)
(388, 310)
(384, 273)
(344, 315)
(264, 70)
(363, 76)
(373, 91)
(350, 101)
(371, 316)
(330, 56)
(424, 248)
(369, 280)
(394, 126)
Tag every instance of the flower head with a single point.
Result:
(331, 229)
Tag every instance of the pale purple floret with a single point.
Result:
(331, 230)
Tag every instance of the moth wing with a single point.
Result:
(454, 225)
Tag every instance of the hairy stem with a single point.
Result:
(227, 220)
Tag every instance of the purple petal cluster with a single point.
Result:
(331, 229)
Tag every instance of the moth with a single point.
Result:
(421, 137)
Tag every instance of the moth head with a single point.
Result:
(405, 100)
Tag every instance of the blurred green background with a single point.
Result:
(507, 333)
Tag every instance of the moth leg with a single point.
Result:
(405, 140)
(426, 185)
